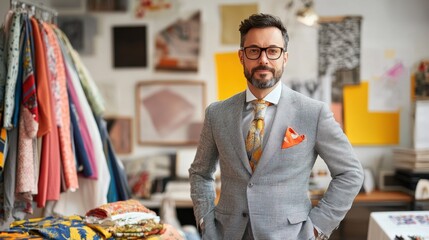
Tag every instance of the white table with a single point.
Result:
(387, 225)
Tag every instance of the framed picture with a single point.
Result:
(107, 5)
(170, 112)
(129, 46)
(178, 45)
(120, 133)
(68, 7)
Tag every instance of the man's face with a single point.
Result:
(263, 73)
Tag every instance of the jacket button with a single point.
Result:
(244, 214)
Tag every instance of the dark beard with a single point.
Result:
(259, 84)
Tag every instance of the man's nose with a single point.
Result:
(263, 59)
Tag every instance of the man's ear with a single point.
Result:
(240, 56)
(285, 57)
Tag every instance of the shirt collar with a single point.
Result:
(272, 97)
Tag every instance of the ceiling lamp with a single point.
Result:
(306, 14)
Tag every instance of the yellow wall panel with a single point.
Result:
(367, 128)
(230, 76)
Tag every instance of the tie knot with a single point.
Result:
(259, 107)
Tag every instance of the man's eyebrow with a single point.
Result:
(254, 45)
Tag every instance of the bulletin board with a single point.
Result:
(230, 76)
(367, 128)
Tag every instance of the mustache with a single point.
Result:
(262, 68)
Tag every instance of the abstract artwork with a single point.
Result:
(170, 112)
(339, 52)
(155, 8)
(178, 45)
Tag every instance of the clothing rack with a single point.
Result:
(39, 10)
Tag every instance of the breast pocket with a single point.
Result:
(297, 151)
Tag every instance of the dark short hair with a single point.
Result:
(262, 20)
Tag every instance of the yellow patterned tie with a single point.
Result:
(256, 133)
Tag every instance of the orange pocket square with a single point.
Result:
(291, 138)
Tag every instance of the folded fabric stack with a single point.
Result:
(124, 220)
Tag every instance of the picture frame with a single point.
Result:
(129, 46)
(107, 5)
(68, 7)
(170, 113)
(120, 133)
(177, 46)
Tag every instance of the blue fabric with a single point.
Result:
(18, 87)
(82, 159)
(119, 189)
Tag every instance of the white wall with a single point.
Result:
(400, 26)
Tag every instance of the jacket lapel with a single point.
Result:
(232, 124)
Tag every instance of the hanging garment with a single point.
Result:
(28, 124)
(5, 202)
(87, 164)
(50, 166)
(3, 134)
(62, 113)
(82, 158)
(44, 103)
(91, 193)
(14, 204)
(12, 69)
(119, 189)
(44, 108)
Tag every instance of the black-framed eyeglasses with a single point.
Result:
(272, 53)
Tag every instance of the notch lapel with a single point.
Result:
(232, 123)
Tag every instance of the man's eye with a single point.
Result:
(273, 51)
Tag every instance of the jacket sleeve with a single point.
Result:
(346, 171)
(201, 173)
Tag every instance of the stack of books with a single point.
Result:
(414, 160)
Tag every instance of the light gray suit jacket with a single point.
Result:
(275, 197)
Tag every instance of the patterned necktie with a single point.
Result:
(256, 133)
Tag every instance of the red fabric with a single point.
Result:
(67, 157)
(49, 177)
(41, 81)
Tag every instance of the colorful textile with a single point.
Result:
(50, 165)
(119, 189)
(18, 236)
(57, 228)
(86, 159)
(43, 99)
(3, 59)
(91, 193)
(62, 111)
(145, 228)
(3, 147)
(28, 123)
(12, 69)
(116, 208)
